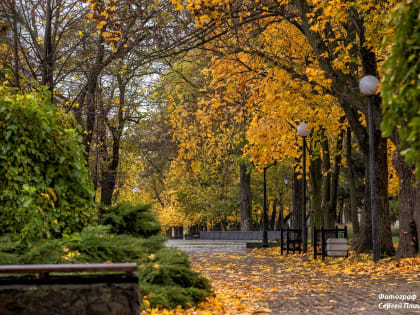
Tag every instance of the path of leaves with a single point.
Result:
(263, 281)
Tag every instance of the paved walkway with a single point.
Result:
(208, 246)
(295, 285)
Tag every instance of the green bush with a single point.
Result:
(135, 220)
(165, 274)
(167, 279)
(45, 189)
(401, 81)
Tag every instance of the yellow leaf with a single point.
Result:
(45, 196)
(101, 25)
(52, 193)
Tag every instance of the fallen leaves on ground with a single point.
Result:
(262, 280)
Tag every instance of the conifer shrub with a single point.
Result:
(165, 274)
(135, 220)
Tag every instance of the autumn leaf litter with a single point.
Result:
(261, 279)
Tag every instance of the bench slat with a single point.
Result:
(126, 267)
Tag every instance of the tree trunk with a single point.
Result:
(273, 216)
(326, 182)
(90, 113)
(340, 217)
(332, 202)
(109, 174)
(347, 212)
(16, 62)
(384, 222)
(317, 191)
(245, 201)
(48, 51)
(280, 223)
(408, 245)
(107, 188)
(89, 96)
(345, 88)
(364, 242)
(352, 184)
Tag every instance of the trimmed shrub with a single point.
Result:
(135, 220)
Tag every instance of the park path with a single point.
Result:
(208, 246)
(262, 281)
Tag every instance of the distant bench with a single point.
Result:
(291, 240)
(114, 291)
(330, 242)
(192, 236)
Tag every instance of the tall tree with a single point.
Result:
(341, 36)
(41, 35)
(207, 117)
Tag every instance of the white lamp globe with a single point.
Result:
(368, 85)
(303, 131)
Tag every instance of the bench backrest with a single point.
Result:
(337, 247)
(43, 270)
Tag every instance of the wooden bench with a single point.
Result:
(337, 247)
(44, 270)
(332, 242)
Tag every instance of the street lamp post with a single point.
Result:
(265, 215)
(286, 181)
(304, 132)
(368, 87)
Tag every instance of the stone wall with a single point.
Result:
(116, 295)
